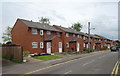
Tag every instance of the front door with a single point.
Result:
(78, 47)
(60, 47)
(94, 46)
(49, 47)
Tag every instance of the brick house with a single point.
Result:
(71, 39)
(36, 37)
(104, 42)
(94, 42)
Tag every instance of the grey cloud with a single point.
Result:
(106, 25)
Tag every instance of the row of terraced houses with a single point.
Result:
(36, 37)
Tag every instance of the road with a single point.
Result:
(102, 63)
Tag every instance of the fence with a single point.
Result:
(12, 52)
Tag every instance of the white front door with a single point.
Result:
(78, 47)
(49, 47)
(108, 45)
(94, 46)
(60, 47)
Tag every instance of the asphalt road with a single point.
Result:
(102, 63)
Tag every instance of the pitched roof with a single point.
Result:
(50, 38)
(100, 36)
(91, 35)
(39, 25)
(70, 30)
(73, 40)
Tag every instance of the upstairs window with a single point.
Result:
(34, 44)
(41, 45)
(34, 31)
(84, 37)
(94, 39)
(67, 45)
(73, 35)
(48, 32)
(80, 36)
(41, 32)
(58, 34)
(67, 34)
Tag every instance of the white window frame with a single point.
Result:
(67, 45)
(41, 32)
(78, 36)
(67, 34)
(73, 35)
(34, 31)
(34, 44)
(41, 45)
(48, 32)
(84, 45)
(94, 39)
(84, 38)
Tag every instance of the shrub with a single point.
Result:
(9, 42)
(69, 51)
(26, 53)
(64, 53)
(56, 52)
(86, 50)
(89, 50)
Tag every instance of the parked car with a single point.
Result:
(114, 48)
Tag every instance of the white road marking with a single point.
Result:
(67, 72)
(88, 62)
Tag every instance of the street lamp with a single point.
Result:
(89, 35)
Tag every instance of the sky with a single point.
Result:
(103, 15)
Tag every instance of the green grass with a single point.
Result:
(46, 57)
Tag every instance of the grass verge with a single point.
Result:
(46, 57)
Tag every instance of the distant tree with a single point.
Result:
(76, 26)
(0, 43)
(44, 20)
(7, 35)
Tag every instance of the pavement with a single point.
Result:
(100, 62)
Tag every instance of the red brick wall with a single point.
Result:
(22, 35)
(67, 39)
(55, 44)
(81, 41)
